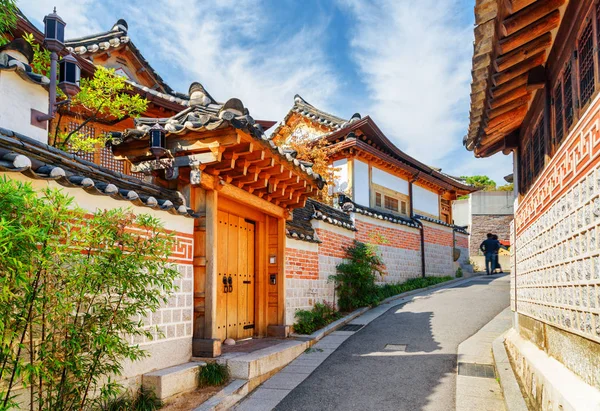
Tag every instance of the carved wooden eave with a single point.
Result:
(513, 39)
(223, 142)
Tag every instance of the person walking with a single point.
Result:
(489, 247)
(497, 265)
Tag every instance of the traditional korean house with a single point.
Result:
(383, 196)
(244, 187)
(535, 93)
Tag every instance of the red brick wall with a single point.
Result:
(462, 241)
(301, 264)
(333, 244)
(437, 236)
(387, 236)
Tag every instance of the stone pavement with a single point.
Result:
(365, 373)
(477, 388)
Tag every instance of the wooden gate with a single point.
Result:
(235, 283)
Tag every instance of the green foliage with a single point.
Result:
(310, 321)
(507, 187)
(75, 288)
(389, 290)
(481, 182)
(104, 96)
(144, 400)
(355, 278)
(459, 272)
(213, 374)
(8, 18)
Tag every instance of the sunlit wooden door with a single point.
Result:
(235, 285)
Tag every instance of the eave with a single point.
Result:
(513, 39)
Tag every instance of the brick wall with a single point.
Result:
(462, 243)
(483, 224)
(439, 250)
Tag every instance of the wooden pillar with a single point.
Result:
(211, 264)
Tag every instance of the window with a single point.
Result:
(377, 199)
(568, 96)
(403, 207)
(391, 203)
(539, 148)
(586, 64)
(559, 131)
(532, 157)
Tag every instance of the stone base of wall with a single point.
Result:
(548, 384)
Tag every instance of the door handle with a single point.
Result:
(225, 283)
(230, 281)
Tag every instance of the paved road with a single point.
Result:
(362, 375)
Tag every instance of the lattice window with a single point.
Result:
(377, 199)
(539, 148)
(108, 160)
(568, 96)
(86, 131)
(586, 64)
(559, 131)
(391, 203)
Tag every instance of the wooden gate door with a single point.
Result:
(235, 283)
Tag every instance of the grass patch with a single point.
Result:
(144, 400)
(459, 272)
(310, 321)
(213, 374)
(389, 290)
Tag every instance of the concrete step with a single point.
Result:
(255, 364)
(173, 380)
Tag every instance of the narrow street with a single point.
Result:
(363, 375)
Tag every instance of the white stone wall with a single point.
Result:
(438, 260)
(302, 294)
(401, 264)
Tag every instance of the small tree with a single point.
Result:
(8, 18)
(356, 276)
(315, 151)
(104, 96)
(481, 182)
(74, 290)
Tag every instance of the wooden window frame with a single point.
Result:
(384, 192)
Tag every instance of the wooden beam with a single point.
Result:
(509, 106)
(210, 302)
(529, 15)
(536, 78)
(520, 68)
(529, 33)
(514, 6)
(509, 116)
(509, 86)
(508, 97)
(523, 53)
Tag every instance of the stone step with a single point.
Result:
(252, 365)
(175, 380)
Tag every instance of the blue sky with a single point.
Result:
(406, 63)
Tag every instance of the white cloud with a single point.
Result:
(415, 58)
(227, 46)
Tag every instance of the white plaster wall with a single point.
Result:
(17, 98)
(341, 176)
(492, 202)
(388, 180)
(425, 200)
(361, 183)
(460, 212)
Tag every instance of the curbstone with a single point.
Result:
(513, 398)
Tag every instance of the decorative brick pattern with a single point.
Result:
(174, 319)
(557, 228)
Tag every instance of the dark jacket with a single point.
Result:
(490, 246)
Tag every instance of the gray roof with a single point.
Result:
(24, 70)
(22, 154)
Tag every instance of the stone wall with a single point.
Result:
(461, 242)
(556, 287)
(483, 224)
(309, 265)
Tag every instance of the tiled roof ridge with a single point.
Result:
(457, 228)
(36, 160)
(350, 206)
(113, 38)
(331, 215)
(213, 116)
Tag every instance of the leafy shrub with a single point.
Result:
(321, 315)
(459, 272)
(355, 278)
(389, 290)
(144, 400)
(73, 287)
(213, 374)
